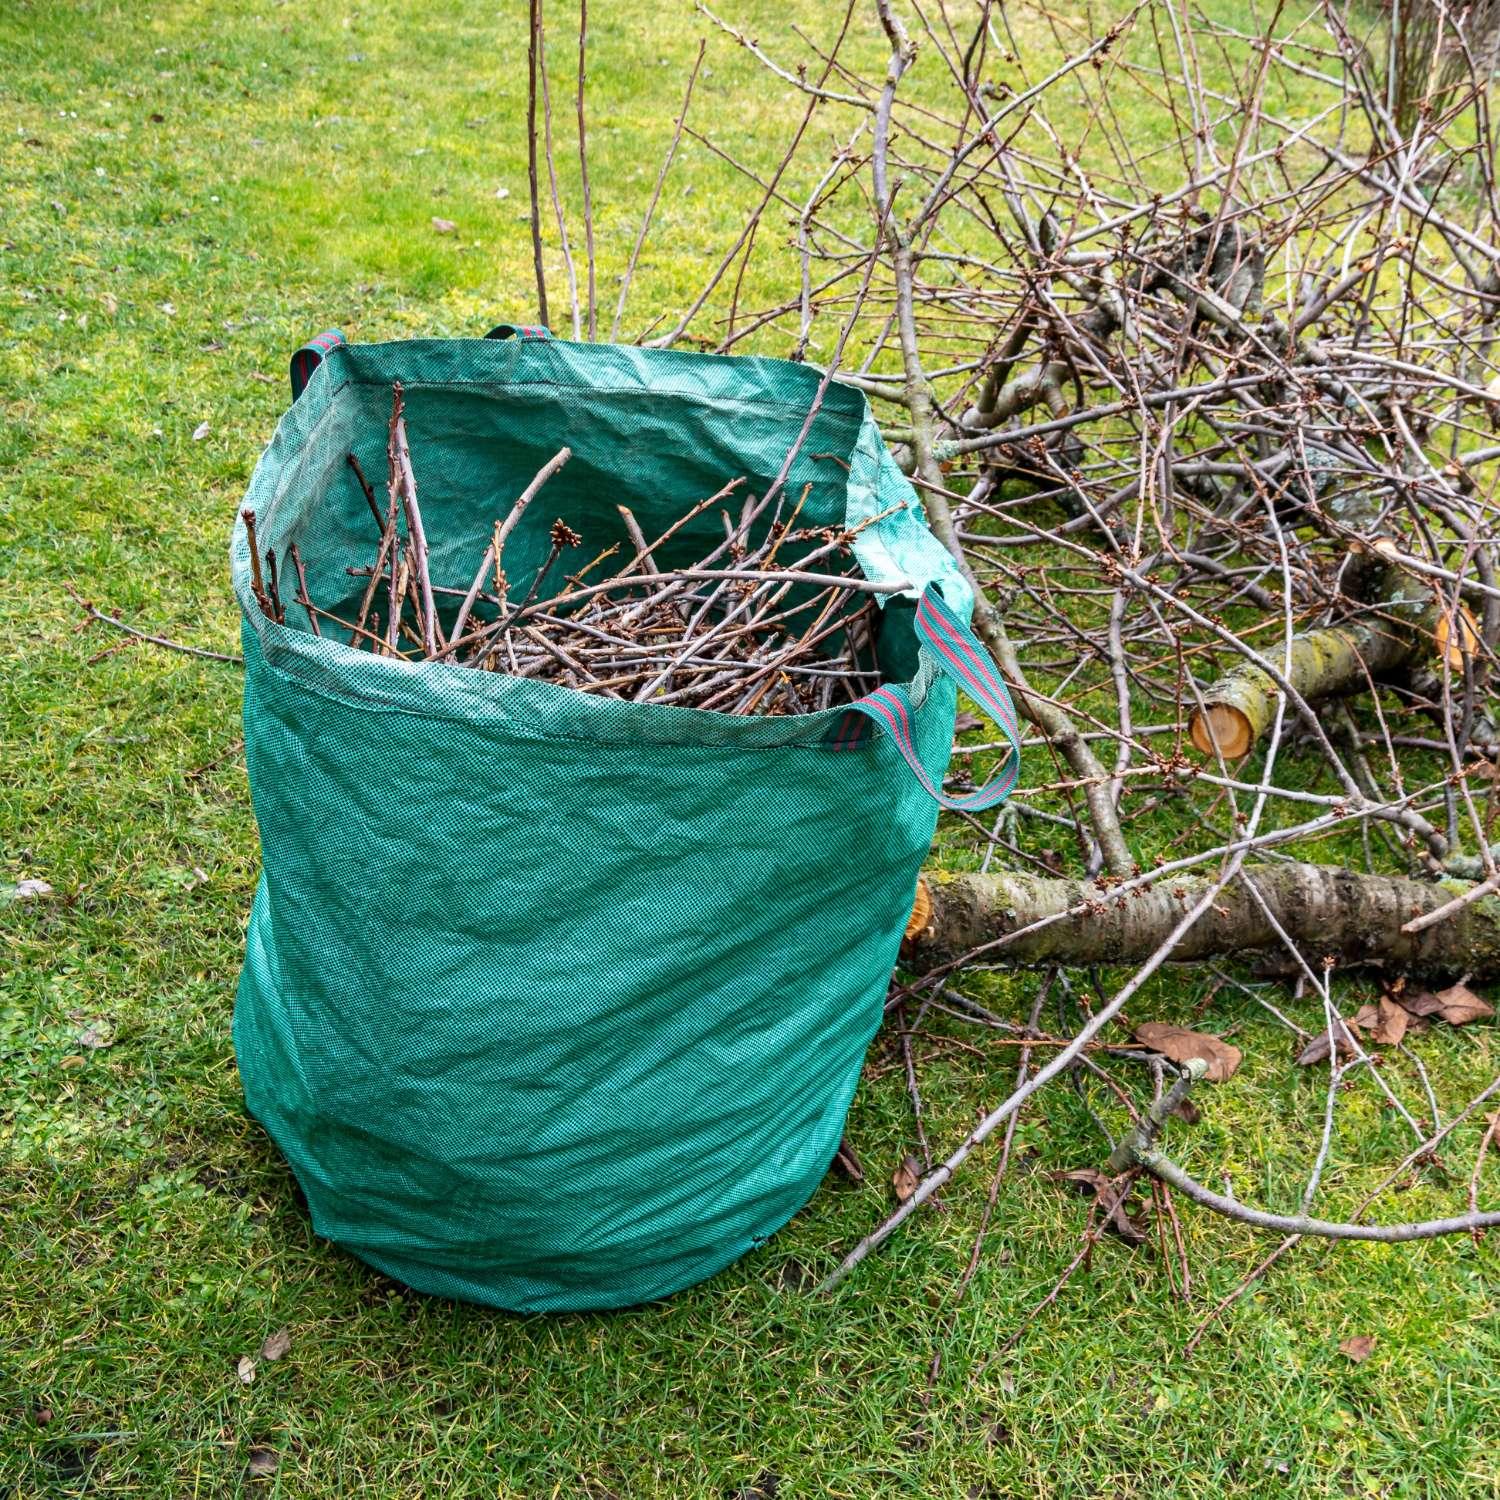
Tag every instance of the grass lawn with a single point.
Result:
(192, 189)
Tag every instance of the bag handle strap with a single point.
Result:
(958, 654)
(310, 356)
(518, 331)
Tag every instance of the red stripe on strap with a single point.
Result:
(929, 604)
(1004, 708)
(998, 707)
(891, 707)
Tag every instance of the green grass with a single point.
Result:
(154, 270)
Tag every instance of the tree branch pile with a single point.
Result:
(1210, 424)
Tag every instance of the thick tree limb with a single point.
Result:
(1407, 626)
(1322, 664)
(1354, 919)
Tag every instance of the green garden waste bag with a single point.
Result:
(554, 1001)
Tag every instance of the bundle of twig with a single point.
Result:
(739, 631)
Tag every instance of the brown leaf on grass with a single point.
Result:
(263, 1463)
(1421, 1004)
(1318, 1048)
(1182, 1045)
(1461, 1005)
(1105, 1190)
(444, 226)
(906, 1177)
(1359, 1348)
(1393, 1023)
(1385, 1023)
(1457, 1005)
(23, 890)
(767, 1486)
(847, 1162)
(276, 1345)
(1187, 1111)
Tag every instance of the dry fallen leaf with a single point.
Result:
(24, 890)
(1358, 1348)
(245, 1369)
(444, 226)
(1421, 1003)
(1182, 1045)
(1385, 1023)
(906, 1177)
(966, 721)
(276, 1345)
(767, 1486)
(1187, 1111)
(263, 1462)
(1393, 1023)
(200, 432)
(1459, 1005)
(1318, 1048)
(1102, 1186)
(847, 1161)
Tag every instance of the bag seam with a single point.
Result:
(353, 699)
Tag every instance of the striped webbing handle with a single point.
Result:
(519, 331)
(956, 652)
(310, 356)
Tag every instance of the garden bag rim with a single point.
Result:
(327, 366)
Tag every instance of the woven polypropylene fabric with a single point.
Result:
(554, 1001)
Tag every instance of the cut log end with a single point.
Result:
(1457, 637)
(1221, 728)
(921, 912)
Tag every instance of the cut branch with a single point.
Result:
(1351, 918)
(1407, 625)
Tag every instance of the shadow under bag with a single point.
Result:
(551, 1000)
